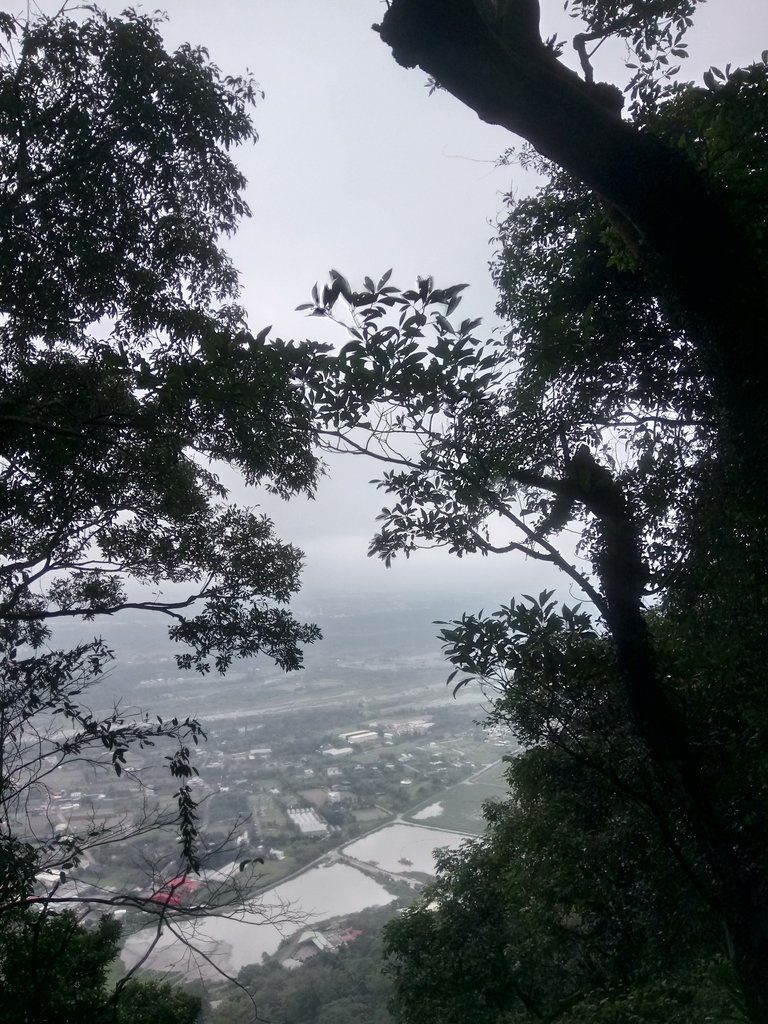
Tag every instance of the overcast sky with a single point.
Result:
(359, 169)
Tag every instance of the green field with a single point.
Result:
(462, 805)
(273, 870)
(493, 776)
(266, 813)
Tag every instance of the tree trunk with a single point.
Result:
(708, 272)
(732, 854)
(711, 281)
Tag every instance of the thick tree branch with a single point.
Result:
(166, 608)
(738, 888)
(720, 291)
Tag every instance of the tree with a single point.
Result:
(54, 971)
(600, 408)
(341, 985)
(704, 268)
(154, 1002)
(566, 910)
(704, 259)
(594, 898)
(460, 425)
(127, 372)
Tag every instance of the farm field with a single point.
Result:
(460, 809)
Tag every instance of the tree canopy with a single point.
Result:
(627, 875)
(55, 971)
(703, 257)
(624, 402)
(340, 986)
(127, 375)
(127, 365)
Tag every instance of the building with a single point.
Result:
(307, 821)
(361, 737)
(174, 892)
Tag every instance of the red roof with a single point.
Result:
(165, 897)
(172, 892)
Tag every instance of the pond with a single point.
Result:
(327, 890)
(401, 848)
(316, 894)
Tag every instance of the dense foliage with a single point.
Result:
(55, 971)
(345, 986)
(624, 404)
(587, 898)
(126, 372)
(626, 879)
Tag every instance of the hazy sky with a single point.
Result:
(357, 168)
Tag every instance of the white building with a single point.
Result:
(361, 737)
(307, 821)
